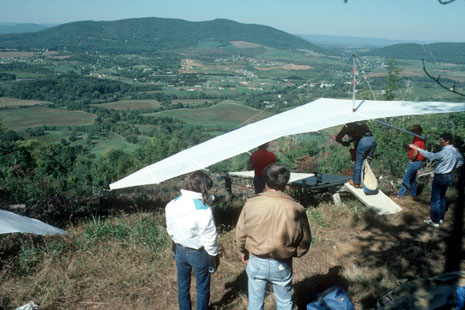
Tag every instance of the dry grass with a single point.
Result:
(6, 102)
(124, 262)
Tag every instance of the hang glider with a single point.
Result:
(317, 115)
(13, 223)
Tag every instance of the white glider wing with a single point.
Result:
(12, 223)
(317, 115)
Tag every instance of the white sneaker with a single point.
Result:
(430, 222)
(441, 221)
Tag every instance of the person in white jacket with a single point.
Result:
(191, 226)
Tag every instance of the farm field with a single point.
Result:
(20, 119)
(112, 141)
(99, 144)
(191, 102)
(130, 105)
(6, 102)
(227, 114)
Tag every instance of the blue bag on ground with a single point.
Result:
(460, 297)
(334, 298)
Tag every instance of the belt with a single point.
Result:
(180, 245)
(368, 134)
(268, 256)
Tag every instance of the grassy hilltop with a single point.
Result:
(86, 103)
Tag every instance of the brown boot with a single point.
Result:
(351, 182)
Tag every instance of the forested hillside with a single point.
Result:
(444, 52)
(149, 35)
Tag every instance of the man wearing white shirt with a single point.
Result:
(446, 160)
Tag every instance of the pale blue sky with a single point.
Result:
(390, 19)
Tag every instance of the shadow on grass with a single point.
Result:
(408, 249)
(233, 291)
(454, 251)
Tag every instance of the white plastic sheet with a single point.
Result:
(12, 223)
(317, 115)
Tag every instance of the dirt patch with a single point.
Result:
(286, 67)
(190, 63)
(16, 54)
(244, 44)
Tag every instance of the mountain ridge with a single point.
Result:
(151, 34)
(7, 28)
(445, 52)
(341, 41)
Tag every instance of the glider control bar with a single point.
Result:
(400, 129)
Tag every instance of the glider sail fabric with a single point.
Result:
(317, 115)
(13, 223)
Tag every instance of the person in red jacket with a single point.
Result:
(258, 161)
(409, 181)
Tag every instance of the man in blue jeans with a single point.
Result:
(271, 230)
(364, 147)
(446, 160)
(409, 181)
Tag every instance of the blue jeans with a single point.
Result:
(365, 148)
(438, 197)
(410, 179)
(186, 259)
(258, 184)
(260, 272)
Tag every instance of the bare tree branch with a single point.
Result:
(451, 89)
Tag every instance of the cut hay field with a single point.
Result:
(228, 115)
(191, 102)
(16, 54)
(102, 145)
(130, 105)
(6, 102)
(20, 119)
(99, 144)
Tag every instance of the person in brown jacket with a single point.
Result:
(271, 230)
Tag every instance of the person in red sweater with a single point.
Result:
(409, 181)
(258, 161)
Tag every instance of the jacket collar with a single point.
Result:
(275, 194)
(191, 194)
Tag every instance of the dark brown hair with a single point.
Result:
(199, 182)
(276, 176)
(447, 137)
(418, 128)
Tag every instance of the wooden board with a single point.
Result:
(381, 203)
